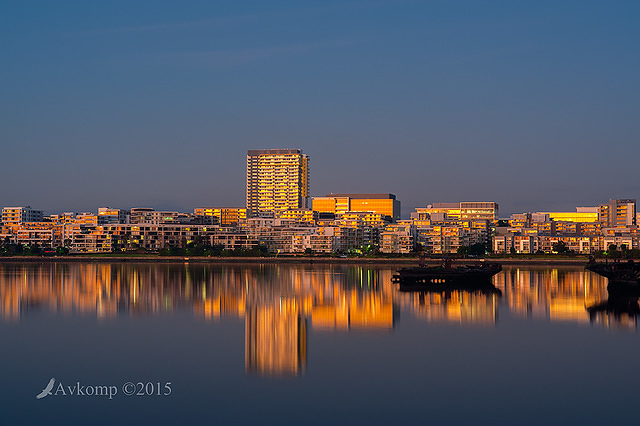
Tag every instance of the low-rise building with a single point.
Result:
(398, 238)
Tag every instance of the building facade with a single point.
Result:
(13, 216)
(277, 180)
(384, 204)
(466, 210)
(618, 213)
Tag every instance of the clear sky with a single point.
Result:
(534, 105)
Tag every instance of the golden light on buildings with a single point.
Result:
(277, 180)
(381, 204)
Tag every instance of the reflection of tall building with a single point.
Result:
(276, 339)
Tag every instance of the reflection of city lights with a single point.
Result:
(553, 294)
(331, 297)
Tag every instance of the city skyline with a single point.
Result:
(532, 106)
(285, 174)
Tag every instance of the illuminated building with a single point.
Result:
(532, 243)
(398, 238)
(618, 213)
(582, 214)
(157, 236)
(107, 215)
(45, 234)
(277, 180)
(66, 217)
(223, 216)
(13, 216)
(363, 219)
(86, 219)
(586, 230)
(141, 215)
(466, 210)
(383, 204)
(86, 238)
(299, 215)
(440, 229)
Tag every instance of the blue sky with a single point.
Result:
(533, 105)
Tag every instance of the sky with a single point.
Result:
(533, 105)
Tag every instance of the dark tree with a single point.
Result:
(560, 247)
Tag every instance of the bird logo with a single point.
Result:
(47, 389)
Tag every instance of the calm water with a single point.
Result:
(296, 344)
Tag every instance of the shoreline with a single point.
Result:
(284, 260)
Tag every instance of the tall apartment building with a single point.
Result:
(277, 180)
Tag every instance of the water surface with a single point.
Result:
(316, 344)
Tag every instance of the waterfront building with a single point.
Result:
(43, 234)
(157, 236)
(440, 229)
(231, 239)
(84, 238)
(448, 238)
(323, 241)
(277, 180)
(398, 238)
(532, 243)
(383, 204)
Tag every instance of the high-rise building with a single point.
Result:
(277, 180)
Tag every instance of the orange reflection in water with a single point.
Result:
(456, 306)
(556, 294)
(278, 303)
